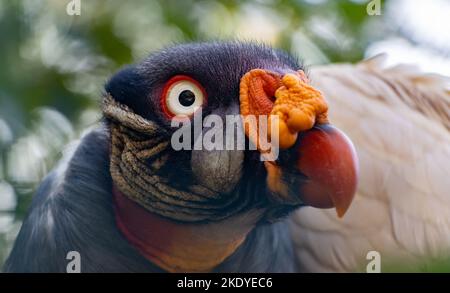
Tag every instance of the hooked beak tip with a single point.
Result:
(327, 156)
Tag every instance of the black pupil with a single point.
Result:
(186, 98)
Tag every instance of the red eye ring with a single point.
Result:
(169, 85)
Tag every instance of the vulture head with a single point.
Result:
(185, 193)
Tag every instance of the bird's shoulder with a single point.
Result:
(72, 211)
(403, 143)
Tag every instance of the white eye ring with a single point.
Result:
(184, 97)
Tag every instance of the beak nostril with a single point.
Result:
(257, 91)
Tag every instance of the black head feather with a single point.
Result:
(218, 66)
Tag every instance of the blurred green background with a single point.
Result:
(53, 65)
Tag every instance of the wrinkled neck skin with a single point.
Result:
(179, 247)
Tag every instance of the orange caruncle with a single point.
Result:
(299, 106)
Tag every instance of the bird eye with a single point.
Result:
(182, 96)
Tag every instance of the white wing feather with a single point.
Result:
(399, 121)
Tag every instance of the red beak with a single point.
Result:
(327, 157)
